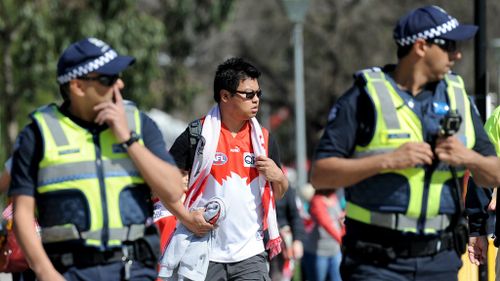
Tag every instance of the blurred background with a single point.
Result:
(179, 43)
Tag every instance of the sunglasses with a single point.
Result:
(250, 94)
(105, 80)
(449, 46)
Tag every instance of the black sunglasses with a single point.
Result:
(449, 46)
(250, 94)
(105, 80)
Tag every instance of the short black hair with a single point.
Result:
(404, 50)
(230, 73)
(64, 91)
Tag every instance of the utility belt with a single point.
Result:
(87, 257)
(140, 251)
(383, 245)
(145, 249)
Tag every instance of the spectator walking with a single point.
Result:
(322, 255)
(236, 160)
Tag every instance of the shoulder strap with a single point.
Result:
(194, 132)
(195, 136)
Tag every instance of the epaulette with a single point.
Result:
(359, 78)
(129, 102)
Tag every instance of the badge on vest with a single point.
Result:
(440, 108)
(395, 136)
(248, 160)
(398, 136)
(69, 151)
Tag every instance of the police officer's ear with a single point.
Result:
(76, 87)
(420, 47)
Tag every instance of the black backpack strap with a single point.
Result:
(194, 133)
(195, 136)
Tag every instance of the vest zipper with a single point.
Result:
(102, 188)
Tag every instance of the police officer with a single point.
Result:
(385, 142)
(89, 166)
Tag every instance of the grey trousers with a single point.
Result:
(253, 268)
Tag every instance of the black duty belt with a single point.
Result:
(369, 241)
(67, 254)
(81, 256)
(401, 249)
(91, 257)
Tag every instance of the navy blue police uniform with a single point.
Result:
(73, 259)
(371, 249)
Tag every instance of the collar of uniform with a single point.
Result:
(90, 126)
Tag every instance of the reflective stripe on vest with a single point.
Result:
(70, 162)
(397, 221)
(85, 170)
(395, 125)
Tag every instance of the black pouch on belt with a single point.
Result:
(147, 248)
(376, 253)
(461, 235)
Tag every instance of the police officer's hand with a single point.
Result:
(113, 114)
(409, 155)
(492, 206)
(196, 223)
(268, 168)
(452, 151)
(477, 249)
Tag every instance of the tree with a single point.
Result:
(33, 36)
(188, 25)
(23, 65)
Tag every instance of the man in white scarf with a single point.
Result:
(237, 161)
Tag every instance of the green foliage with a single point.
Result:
(187, 23)
(34, 33)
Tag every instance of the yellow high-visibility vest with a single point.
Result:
(88, 187)
(395, 125)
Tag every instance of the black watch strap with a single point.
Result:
(133, 138)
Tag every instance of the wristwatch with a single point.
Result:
(133, 138)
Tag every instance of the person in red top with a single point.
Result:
(322, 255)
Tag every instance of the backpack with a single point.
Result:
(195, 136)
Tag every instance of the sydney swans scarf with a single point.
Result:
(202, 164)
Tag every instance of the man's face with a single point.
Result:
(440, 58)
(244, 103)
(99, 88)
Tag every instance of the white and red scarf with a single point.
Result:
(202, 164)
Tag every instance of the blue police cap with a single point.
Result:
(430, 22)
(90, 55)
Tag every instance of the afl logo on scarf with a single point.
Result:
(220, 159)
